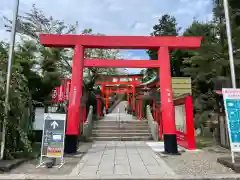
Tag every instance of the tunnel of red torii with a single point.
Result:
(162, 44)
(114, 84)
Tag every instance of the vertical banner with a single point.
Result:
(61, 93)
(55, 95)
(231, 99)
(67, 88)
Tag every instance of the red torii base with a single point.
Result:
(163, 44)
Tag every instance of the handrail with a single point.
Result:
(152, 125)
(87, 127)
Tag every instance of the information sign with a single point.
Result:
(231, 99)
(53, 136)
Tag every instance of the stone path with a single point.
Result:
(121, 158)
(120, 107)
(114, 158)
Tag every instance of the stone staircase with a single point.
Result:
(134, 130)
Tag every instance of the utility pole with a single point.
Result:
(230, 48)
(9, 68)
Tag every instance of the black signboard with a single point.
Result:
(53, 135)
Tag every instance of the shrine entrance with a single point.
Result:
(164, 46)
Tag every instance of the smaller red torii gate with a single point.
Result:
(110, 87)
(163, 44)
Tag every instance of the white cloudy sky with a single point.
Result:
(114, 17)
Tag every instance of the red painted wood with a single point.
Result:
(73, 121)
(119, 82)
(167, 108)
(190, 123)
(133, 98)
(187, 139)
(106, 100)
(121, 63)
(122, 76)
(120, 42)
(99, 106)
(102, 91)
(160, 123)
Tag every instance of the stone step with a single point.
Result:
(121, 124)
(136, 138)
(122, 121)
(117, 134)
(120, 130)
(121, 127)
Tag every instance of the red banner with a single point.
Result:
(61, 93)
(55, 95)
(67, 88)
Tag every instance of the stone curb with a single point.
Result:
(115, 177)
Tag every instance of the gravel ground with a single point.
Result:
(30, 167)
(71, 161)
(203, 162)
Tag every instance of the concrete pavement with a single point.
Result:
(121, 158)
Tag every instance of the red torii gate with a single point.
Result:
(109, 80)
(108, 87)
(163, 44)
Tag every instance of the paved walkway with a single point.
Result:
(120, 107)
(121, 158)
(113, 158)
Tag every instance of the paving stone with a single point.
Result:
(153, 170)
(122, 169)
(149, 161)
(139, 171)
(105, 170)
(88, 170)
(121, 159)
(92, 163)
(77, 169)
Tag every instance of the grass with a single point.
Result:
(202, 142)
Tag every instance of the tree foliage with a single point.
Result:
(92, 74)
(211, 61)
(17, 127)
(166, 26)
(37, 70)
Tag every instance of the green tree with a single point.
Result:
(43, 67)
(204, 65)
(17, 127)
(92, 74)
(167, 26)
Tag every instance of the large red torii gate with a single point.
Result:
(163, 44)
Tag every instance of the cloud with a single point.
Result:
(114, 17)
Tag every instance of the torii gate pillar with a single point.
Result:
(168, 114)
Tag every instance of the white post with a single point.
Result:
(230, 48)
(10, 59)
(230, 51)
